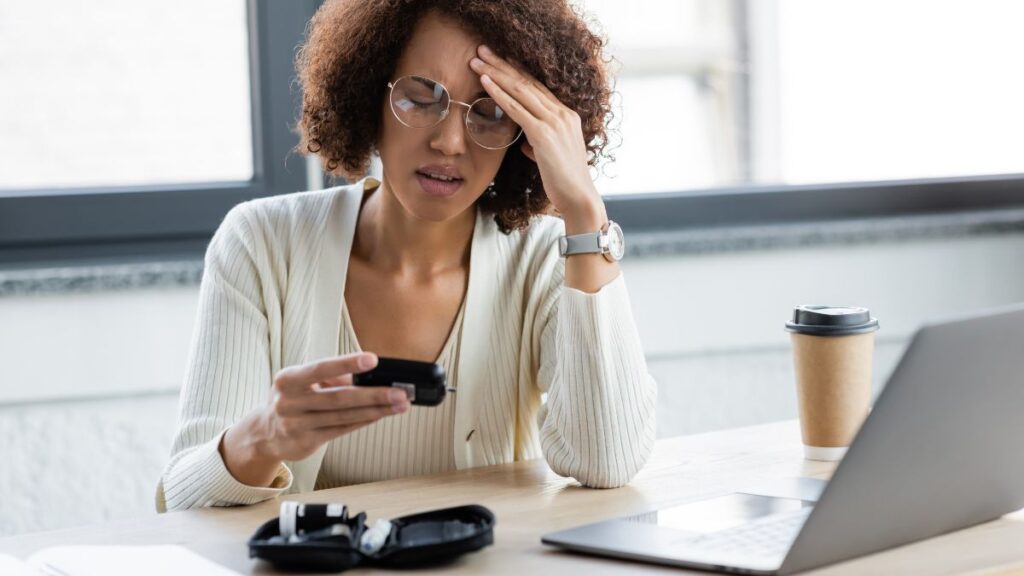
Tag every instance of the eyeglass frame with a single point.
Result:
(444, 115)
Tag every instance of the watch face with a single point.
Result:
(616, 241)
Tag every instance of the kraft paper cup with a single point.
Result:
(833, 349)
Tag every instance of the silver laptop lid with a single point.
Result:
(940, 451)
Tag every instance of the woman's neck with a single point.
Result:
(390, 239)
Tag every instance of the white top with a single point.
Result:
(274, 272)
(417, 442)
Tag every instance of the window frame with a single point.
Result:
(758, 205)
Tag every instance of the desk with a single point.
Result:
(529, 500)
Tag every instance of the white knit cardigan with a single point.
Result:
(271, 297)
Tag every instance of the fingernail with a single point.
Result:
(367, 362)
(475, 62)
(397, 396)
(399, 408)
(485, 50)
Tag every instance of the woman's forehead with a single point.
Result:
(440, 49)
(437, 34)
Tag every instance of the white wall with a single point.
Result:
(713, 325)
(88, 382)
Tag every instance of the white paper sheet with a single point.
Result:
(11, 566)
(167, 560)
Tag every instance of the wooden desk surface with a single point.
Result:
(529, 500)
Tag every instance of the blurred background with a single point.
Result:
(770, 153)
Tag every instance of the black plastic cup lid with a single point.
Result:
(831, 321)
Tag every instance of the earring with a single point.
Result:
(491, 192)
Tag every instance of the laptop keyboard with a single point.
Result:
(768, 536)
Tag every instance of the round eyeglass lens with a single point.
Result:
(489, 125)
(418, 102)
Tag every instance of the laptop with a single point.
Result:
(939, 451)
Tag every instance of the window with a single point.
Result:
(762, 111)
(132, 128)
(678, 93)
(124, 93)
(875, 90)
(128, 129)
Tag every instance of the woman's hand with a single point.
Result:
(554, 133)
(312, 404)
(316, 402)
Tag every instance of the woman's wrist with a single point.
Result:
(246, 457)
(587, 272)
(585, 217)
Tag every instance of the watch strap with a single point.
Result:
(589, 243)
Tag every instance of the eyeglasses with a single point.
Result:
(420, 102)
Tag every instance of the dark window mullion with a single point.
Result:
(766, 205)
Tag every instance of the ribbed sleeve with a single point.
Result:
(227, 375)
(598, 424)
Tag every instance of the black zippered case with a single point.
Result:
(424, 539)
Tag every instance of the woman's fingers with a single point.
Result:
(516, 65)
(333, 384)
(315, 420)
(521, 85)
(347, 397)
(298, 379)
(521, 105)
(519, 114)
(323, 435)
(304, 426)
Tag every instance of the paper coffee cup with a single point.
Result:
(833, 348)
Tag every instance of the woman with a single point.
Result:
(448, 258)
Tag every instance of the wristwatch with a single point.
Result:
(608, 241)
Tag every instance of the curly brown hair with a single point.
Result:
(352, 49)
